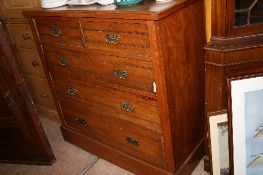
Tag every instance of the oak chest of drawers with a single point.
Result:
(128, 81)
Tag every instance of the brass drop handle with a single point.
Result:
(127, 107)
(35, 63)
(132, 141)
(112, 38)
(81, 121)
(120, 74)
(44, 95)
(26, 36)
(55, 31)
(63, 61)
(72, 91)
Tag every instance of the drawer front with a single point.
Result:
(127, 106)
(31, 62)
(128, 39)
(115, 38)
(59, 31)
(40, 91)
(123, 136)
(21, 35)
(111, 69)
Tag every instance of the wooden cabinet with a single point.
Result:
(24, 47)
(236, 46)
(128, 82)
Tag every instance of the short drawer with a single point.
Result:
(21, 35)
(121, 71)
(126, 38)
(31, 62)
(120, 104)
(40, 91)
(59, 31)
(125, 137)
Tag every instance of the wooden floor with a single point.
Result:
(71, 160)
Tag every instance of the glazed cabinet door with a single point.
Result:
(22, 138)
(13, 8)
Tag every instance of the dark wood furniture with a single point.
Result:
(236, 46)
(128, 81)
(22, 139)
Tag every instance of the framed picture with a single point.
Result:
(218, 129)
(245, 116)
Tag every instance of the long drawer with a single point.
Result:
(125, 137)
(109, 101)
(122, 71)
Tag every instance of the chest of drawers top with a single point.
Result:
(147, 10)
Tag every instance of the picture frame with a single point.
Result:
(219, 145)
(245, 119)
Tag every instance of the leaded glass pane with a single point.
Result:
(248, 12)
